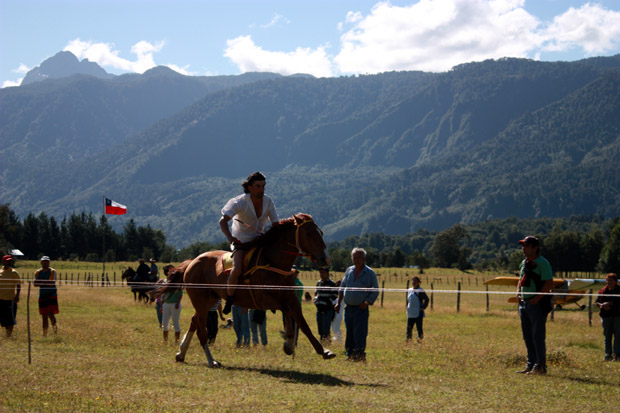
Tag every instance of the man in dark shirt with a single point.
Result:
(608, 301)
(324, 298)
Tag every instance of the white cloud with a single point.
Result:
(435, 35)
(10, 83)
(277, 18)
(22, 69)
(251, 58)
(353, 16)
(594, 29)
(105, 55)
(274, 20)
(184, 70)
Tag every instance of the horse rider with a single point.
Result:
(249, 213)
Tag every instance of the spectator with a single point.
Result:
(45, 279)
(241, 324)
(171, 309)
(153, 271)
(258, 322)
(337, 321)
(212, 321)
(10, 287)
(610, 316)
(536, 276)
(417, 301)
(359, 290)
(158, 300)
(324, 297)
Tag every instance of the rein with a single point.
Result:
(299, 252)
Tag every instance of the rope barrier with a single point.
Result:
(315, 288)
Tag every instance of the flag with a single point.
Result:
(114, 208)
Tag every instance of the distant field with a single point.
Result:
(109, 356)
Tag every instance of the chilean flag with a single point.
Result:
(114, 208)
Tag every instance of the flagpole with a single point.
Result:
(103, 242)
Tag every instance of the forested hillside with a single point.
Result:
(391, 153)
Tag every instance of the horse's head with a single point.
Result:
(309, 239)
(128, 273)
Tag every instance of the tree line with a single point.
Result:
(585, 244)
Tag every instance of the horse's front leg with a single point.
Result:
(305, 328)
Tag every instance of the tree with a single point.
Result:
(610, 256)
(10, 229)
(421, 261)
(445, 250)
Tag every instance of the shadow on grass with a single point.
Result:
(594, 380)
(300, 377)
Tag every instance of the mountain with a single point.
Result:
(391, 153)
(64, 64)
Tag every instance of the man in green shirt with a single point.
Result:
(536, 277)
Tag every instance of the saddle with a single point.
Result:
(227, 260)
(250, 264)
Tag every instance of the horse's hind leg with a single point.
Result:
(201, 321)
(187, 339)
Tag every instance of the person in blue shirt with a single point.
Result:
(417, 301)
(359, 290)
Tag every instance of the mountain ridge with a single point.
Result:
(391, 153)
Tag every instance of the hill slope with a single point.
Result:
(391, 152)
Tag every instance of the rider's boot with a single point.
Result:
(165, 336)
(177, 336)
(228, 306)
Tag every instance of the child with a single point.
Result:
(417, 301)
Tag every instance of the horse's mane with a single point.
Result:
(275, 232)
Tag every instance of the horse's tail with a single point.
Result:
(175, 280)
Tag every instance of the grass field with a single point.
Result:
(109, 356)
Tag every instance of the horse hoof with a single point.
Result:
(288, 350)
(328, 354)
(179, 358)
(215, 364)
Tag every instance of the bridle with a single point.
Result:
(299, 251)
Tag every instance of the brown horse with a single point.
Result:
(267, 283)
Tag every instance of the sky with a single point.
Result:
(324, 38)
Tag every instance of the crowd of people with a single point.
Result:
(349, 299)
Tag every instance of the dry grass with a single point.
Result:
(109, 356)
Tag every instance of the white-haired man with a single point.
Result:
(359, 289)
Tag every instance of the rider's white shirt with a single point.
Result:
(241, 208)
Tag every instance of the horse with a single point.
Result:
(266, 284)
(139, 289)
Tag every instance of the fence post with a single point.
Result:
(590, 311)
(382, 292)
(406, 293)
(432, 292)
(487, 296)
(458, 298)
(552, 312)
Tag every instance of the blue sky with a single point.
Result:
(320, 37)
